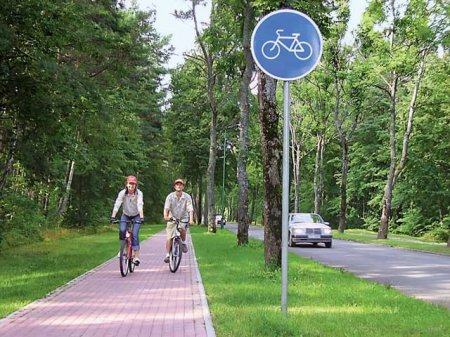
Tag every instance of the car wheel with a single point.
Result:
(290, 243)
(328, 244)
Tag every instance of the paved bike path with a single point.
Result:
(151, 302)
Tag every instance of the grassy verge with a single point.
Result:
(245, 298)
(394, 240)
(30, 272)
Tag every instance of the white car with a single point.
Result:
(309, 228)
(220, 220)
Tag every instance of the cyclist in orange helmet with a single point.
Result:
(132, 201)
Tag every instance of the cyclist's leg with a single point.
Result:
(170, 233)
(123, 227)
(183, 236)
(136, 228)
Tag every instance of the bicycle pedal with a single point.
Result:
(137, 263)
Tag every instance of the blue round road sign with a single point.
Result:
(286, 44)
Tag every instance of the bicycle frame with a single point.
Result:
(175, 252)
(126, 251)
(295, 45)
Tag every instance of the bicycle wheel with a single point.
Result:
(270, 50)
(175, 254)
(131, 264)
(303, 51)
(123, 260)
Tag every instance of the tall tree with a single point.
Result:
(271, 142)
(243, 218)
(347, 113)
(410, 38)
(208, 65)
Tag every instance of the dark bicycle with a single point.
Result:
(176, 251)
(126, 259)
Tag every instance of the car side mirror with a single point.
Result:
(327, 223)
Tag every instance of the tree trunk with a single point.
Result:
(343, 141)
(394, 170)
(205, 211)
(243, 218)
(387, 198)
(199, 201)
(9, 161)
(254, 196)
(69, 176)
(318, 173)
(343, 188)
(296, 147)
(409, 126)
(271, 153)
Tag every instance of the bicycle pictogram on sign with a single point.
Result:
(291, 43)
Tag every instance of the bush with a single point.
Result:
(438, 234)
(440, 231)
(20, 221)
(411, 223)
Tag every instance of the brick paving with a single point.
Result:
(151, 302)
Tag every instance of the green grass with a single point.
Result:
(245, 298)
(394, 240)
(32, 271)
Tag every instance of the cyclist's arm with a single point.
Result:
(140, 204)
(190, 209)
(166, 213)
(118, 203)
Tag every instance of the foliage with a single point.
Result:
(21, 222)
(81, 83)
(80, 87)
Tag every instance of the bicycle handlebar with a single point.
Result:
(128, 221)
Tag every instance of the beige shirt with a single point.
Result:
(179, 207)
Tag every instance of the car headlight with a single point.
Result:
(299, 231)
(327, 231)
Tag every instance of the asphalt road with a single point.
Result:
(422, 275)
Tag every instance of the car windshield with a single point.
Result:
(295, 218)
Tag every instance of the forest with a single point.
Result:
(84, 104)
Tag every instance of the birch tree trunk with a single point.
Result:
(69, 176)
(296, 148)
(318, 173)
(387, 197)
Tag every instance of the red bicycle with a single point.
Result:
(126, 259)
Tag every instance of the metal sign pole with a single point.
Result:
(285, 200)
(286, 62)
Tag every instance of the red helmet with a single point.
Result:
(132, 179)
